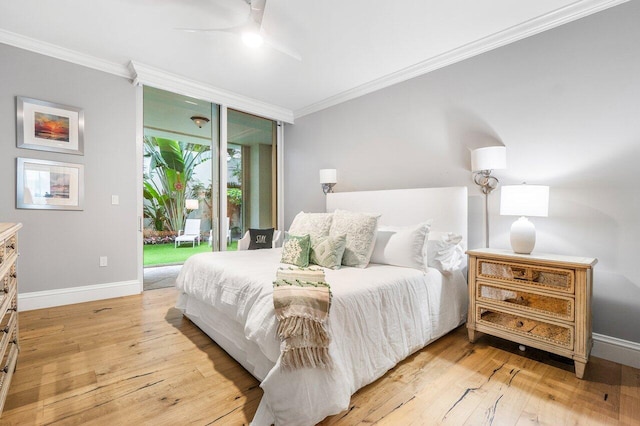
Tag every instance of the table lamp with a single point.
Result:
(524, 200)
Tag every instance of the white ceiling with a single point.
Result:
(348, 47)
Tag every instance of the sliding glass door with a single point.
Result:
(251, 174)
(180, 177)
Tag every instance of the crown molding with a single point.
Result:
(576, 10)
(48, 49)
(150, 76)
(144, 74)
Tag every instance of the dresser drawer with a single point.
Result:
(555, 307)
(10, 245)
(537, 329)
(8, 365)
(5, 282)
(554, 279)
(8, 331)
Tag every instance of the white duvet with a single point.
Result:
(379, 315)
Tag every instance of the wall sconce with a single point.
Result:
(483, 162)
(199, 120)
(524, 200)
(328, 178)
(191, 204)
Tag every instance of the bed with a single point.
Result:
(379, 314)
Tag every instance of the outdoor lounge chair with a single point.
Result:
(191, 232)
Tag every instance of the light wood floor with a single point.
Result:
(136, 360)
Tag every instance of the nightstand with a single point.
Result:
(538, 300)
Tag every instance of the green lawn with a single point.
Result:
(165, 254)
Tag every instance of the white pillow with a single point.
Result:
(360, 229)
(316, 225)
(444, 251)
(402, 246)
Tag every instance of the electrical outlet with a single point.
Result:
(103, 260)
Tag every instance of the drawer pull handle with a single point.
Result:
(519, 324)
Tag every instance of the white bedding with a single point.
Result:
(379, 315)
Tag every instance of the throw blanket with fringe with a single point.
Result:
(302, 299)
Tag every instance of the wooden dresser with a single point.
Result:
(8, 305)
(539, 300)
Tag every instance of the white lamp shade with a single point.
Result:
(328, 176)
(191, 204)
(524, 200)
(489, 158)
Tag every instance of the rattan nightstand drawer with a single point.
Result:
(553, 279)
(527, 301)
(543, 331)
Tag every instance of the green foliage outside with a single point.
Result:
(170, 172)
(165, 254)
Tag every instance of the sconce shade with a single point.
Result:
(191, 204)
(489, 158)
(199, 120)
(328, 176)
(524, 200)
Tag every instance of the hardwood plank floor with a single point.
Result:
(136, 360)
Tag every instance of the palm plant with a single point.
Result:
(170, 170)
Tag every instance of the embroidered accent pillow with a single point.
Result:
(328, 251)
(314, 224)
(402, 246)
(295, 250)
(360, 229)
(260, 238)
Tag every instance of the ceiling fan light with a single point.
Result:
(252, 39)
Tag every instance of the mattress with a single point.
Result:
(379, 315)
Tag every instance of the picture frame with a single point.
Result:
(47, 126)
(50, 185)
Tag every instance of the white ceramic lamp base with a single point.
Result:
(523, 236)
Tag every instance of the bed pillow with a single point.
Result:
(328, 251)
(295, 250)
(402, 246)
(445, 251)
(260, 238)
(360, 230)
(313, 224)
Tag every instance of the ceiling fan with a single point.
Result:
(251, 31)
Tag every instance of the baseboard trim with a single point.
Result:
(617, 350)
(71, 295)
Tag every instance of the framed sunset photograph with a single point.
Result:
(51, 185)
(47, 126)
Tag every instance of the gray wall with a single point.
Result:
(566, 103)
(61, 249)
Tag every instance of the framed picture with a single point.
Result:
(52, 185)
(47, 126)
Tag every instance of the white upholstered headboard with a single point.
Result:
(447, 207)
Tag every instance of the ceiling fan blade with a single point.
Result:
(234, 29)
(257, 10)
(282, 48)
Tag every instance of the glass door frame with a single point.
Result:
(278, 181)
